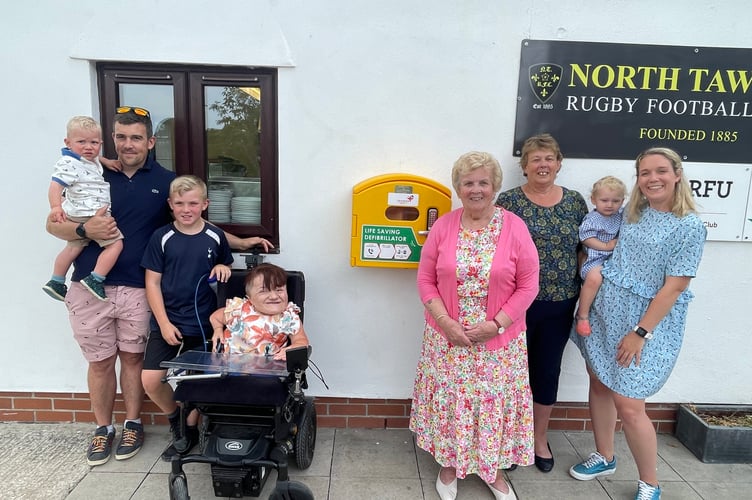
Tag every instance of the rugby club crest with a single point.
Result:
(544, 80)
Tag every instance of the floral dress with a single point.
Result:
(249, 331)
(658, 245)
(472, 407)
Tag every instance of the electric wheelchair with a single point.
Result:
(254, 414)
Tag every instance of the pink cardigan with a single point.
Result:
(514, 272)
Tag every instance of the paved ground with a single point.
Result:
(46, 461)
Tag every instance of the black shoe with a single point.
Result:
(100, 446)
(182, 445)
(545, 464)
(510, 468)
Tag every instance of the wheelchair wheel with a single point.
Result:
(305, 439)
(179, 488)
(291, 490)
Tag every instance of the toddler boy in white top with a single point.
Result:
(77, 191)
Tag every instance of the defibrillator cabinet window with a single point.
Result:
(216, 123)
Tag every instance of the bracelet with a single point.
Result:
(439, 317)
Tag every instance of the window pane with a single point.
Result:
(158, 99)
(233, 128)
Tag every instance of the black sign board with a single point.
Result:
(608, 100)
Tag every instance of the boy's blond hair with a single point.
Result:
(609, 182)
(183, 183)
(82, 123)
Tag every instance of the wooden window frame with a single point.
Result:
(189, 130)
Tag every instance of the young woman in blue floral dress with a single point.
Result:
(639, 313)
(553, 214)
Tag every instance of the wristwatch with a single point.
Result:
(81, 230)
(642, 332)
(498, 325)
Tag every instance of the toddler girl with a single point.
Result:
(598, 233)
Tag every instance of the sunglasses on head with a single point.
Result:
(130, 109)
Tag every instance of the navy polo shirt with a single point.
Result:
(139, 206)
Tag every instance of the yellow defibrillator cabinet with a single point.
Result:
(392, 214)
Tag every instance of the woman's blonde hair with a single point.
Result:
(609, 182)
(683, 202)
(473, 161)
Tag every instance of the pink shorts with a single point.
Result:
(102, 328)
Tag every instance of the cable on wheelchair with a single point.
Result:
(317, 372)
(195, 308)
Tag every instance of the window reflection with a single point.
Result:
(158, 100)
(233, 128)
(208, 122)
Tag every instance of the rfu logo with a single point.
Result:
(234, 445)
(544, 80)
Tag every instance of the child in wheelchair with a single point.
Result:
(254, 414)
(264, 322)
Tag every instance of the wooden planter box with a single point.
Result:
(714, 443)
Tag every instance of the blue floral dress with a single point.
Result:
(658, 245)
(472, 407)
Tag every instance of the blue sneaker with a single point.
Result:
(595, 466)
(647, 491)
(55, 290)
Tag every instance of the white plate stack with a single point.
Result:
(219, 205)
(246, 209)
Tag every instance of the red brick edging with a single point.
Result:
(332, 412)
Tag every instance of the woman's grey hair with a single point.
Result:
(473, 161)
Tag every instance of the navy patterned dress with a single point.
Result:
(555, 234)
(658, 245)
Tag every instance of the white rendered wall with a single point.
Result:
(365, 88)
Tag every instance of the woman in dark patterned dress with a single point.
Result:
(553, 214)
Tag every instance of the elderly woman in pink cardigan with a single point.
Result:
(478, 273)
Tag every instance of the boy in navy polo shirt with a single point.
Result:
(179, 260)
